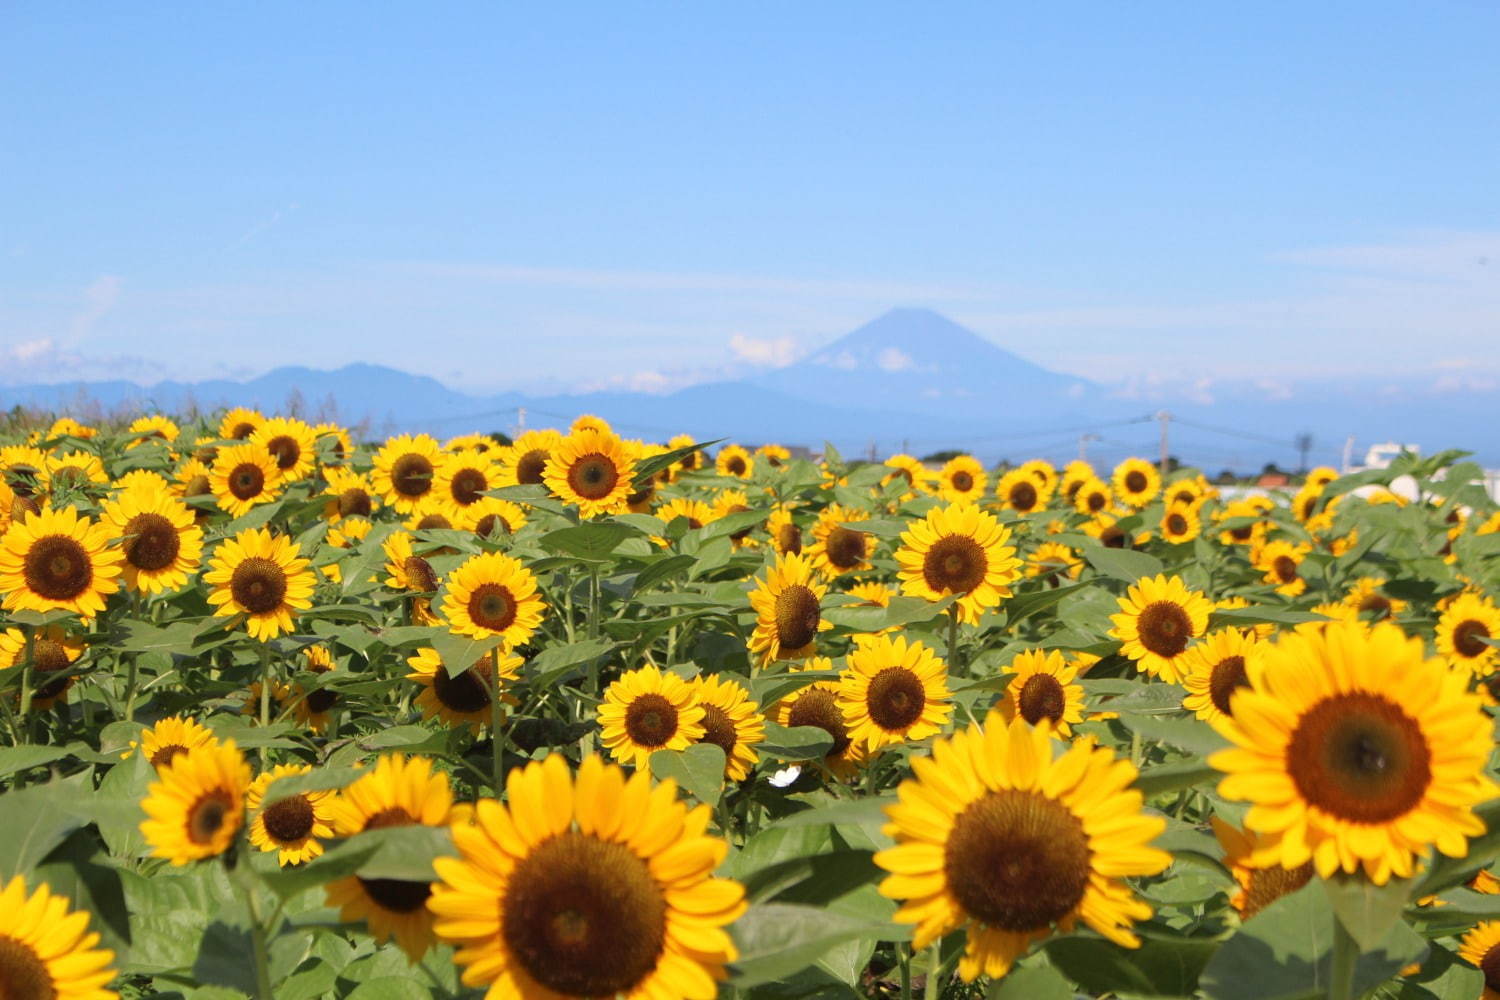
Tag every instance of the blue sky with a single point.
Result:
(647, 194)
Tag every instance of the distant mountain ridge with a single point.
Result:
(911, 380)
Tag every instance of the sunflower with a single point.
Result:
(589, 422)
(736, 502)
(695, 512)
(642, 500)
(1092, 497)
(592, 471)
(163, 742)
(1074, 475)
(1214, 670)
(1321, 476)
(587, 886)
(647, 710)
(292, 443)
(893, 691)
(1019, 490)
(73, 470)
(463, 479)
(1043, 691)
(315, 708)
(734, 461)
(1355, 750)
(962, 478)
(1263, 630)
(334, 444)
(1462, 629)
(788, 608)
(786, 537)
(159, 538)
(1054, 561)
(731, 721)
(1179, 524)
(24, 469)
(817, 705)
(405, 570)
(68, 427)
(1043, 472)
(349, 494)
(197, 806)
(462, 699)
(262, 576)
(400, 791)
(239, 423)
(1184, 491)
(1480, 947)
(996, 834)
(910, 470)
(775, 455)
(491, 518)
(53, 651)
(242, 476)
(404, 469)
(1136, 482)
(430, 513)
(1366, 597)
(493, 594)
(693, 460)
(154, 427)
(295, 825)
(958, 550)
(1250, 533)
(192, 478)
(1305, 503)
(1280, 561)
(47, 950)
(1259, 887)
(528, 457)
(1160, 617)
(838, 548)
(57, 559)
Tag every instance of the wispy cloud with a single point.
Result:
(770, 352)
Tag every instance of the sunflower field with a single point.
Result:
(290, 716)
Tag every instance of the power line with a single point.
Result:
(1248, 436)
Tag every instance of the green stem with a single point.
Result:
(258, 940)
(953, 639)
(265, 693)
(594, 603)
(934, 966)
(497, 717)
(903, 960)
(27, 657)
(128, 710)
(1345, 954)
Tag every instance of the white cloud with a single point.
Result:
(769, 352)
(893, 359)
(30, 350)
(98, 299)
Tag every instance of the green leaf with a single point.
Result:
(117, 805)
(1192, 735)
(316, 780)
(405, 852)
(1445, 872)
(413, 739)
(340, 862)
(460, 652)
(592, 542)
(39, 818)
(1023, 606)
(778, 939)
(665, 567)
(771, 688)
(1037, 982)
(1155, 780)
(1161, 967)
(1367, 911)
(902, 611)
(1261, 615)
(221, 957)
(531, 495)
(699, 769)
(649, 467)
(27, 756)
(1122, 564)
(169, 911)
(552, 663)
(797, 743)
(78, 872)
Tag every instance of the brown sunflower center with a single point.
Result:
(49, 657)
(584, 916)
(1135, 481)
(198, 486)
(651, 721)
(23, 974)
(69, 476)
(797, 616)
(718, 729)
(420, 575)
(58, 568)
(1183, 496)
(1096, 501)
(1267, 885)
(246, 481)
(491, 525)
(493, 607)
(465, 693)
(1377, 603)
(1360, 758)
(1176, 524)
(151, 542)
(164, 755)
(1227, 677)
(434, 520)
(735, 466)
(954, 563)
(1017, 860)
(1023, 496)
(321, 700)
(468, 486)
(355, 502)
(1113, 538)
(845, 547)
(1468, 638)
(1490, 966)
(1165, 628)
(242, 430)
(643, 496)
(285, 449)
(1041, 697)
(1285, 568)
(818, 707)
(963, 482)
(386, 818)
(411, 475)
(895, 699)
(397, 895)
(258, 585)
(789, 539)
(529, 467)
(288, 820)
(208, 816)
(593, 476)
(1242, 533)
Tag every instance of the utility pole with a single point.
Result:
(1165, 419)
(1348, 453)
(520, 421)
(1304, 445)
(1083, 445)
